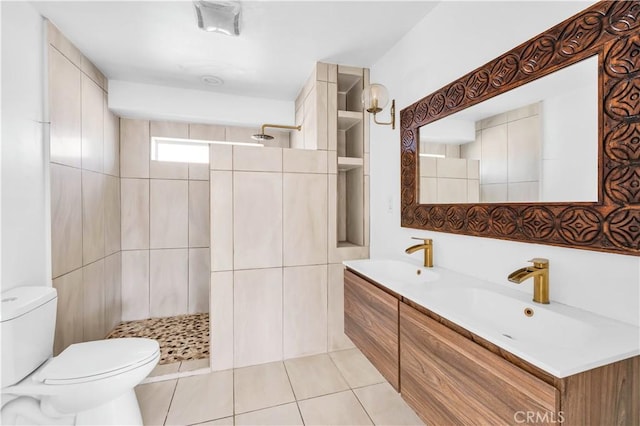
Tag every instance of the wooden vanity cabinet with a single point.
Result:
(448, 379)
(371, 321)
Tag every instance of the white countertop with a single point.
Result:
(559, 339)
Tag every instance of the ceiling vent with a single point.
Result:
(219, 16)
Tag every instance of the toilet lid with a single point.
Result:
(83, 362)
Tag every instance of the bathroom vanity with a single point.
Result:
(464, 351)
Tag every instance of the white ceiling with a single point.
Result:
(158, 42)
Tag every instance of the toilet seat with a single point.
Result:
(100, 359)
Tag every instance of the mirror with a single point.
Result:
(606, 33)
(535, 143)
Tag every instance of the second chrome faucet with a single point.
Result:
(427, 246)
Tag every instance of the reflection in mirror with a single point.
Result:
(536, 143)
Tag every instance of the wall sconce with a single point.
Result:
(374, 98)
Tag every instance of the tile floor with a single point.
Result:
(339, 388)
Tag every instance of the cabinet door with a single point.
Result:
(448, 379)
(371, 321)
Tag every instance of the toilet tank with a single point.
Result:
(28, 316)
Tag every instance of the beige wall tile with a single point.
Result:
(257, 220)
(310, 122)
(207, 132)
(92, 126)
(493, 167)
(305, 310)
(337, 340)
(70, 310)
(473, 169)
(198, 171)
(112, 290)
(66, 219)
(297, 138)
(65, 110)
(428, 190)
(111, 141)
(134, 148)
(93, 210)
(304, 161)
(473, 191)
(135, 213)
(451, 168)
(322, 99)
(221, 201)
(322, 70)
(199, 214)
(524, 150)
(135, 285)
(166, 169)
(332, 119)
(265, 159)
(428, 167)
(154, 400)
(94, 301)
(525, 111)
(240, 134)
(366, 216)
(221, 157)
(221, 317)
(340, 408)
(494, 121)
(332, 73)
(313, 376)
(169, 213)
(305, 219)
(452, 190)
(202, 397)
(169, 282)
(332, 162)
(57, 39)
(199, 271)
(523, 191)
(261, 386)
(112, 215)
(93, 72)
(472, 150)
(495, 193)
(257, 316)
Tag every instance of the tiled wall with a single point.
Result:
(274, 294)
(449, 180)
(85, 196)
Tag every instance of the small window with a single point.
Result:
(185, 150)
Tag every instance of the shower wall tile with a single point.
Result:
(199, 271)
(221, 220)
(134, 148)
(66, 219)
(304, 161)
(93, 279)
(337, 340)
(207, 132)
(257, 220)
(135, 213)
(221, 320)
(305, 219)
(135, 285)
(198, 171)
(310, 121)
(247, 158)
(111, 141)
(524, 149)
(305, 311)
(93, 207)
(322, 99)
(257, 316)
(111, 215)
(169, 282)
(169, 218)
(65, 110)
(113, 290)
(92, 126)
(165, 169)
(199, 213)
(332, 119)
(70, 310)
(61, 43)
(221, 157)
(493, 167)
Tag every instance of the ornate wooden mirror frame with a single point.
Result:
(610, 30)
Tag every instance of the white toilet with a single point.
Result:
(88, 383)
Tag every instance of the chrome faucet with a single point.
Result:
(427, 246)
(540, 274)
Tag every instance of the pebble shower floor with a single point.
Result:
(181, 338)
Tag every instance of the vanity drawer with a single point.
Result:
(371, 321)
(448, 379)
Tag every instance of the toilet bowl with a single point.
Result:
(88, 383)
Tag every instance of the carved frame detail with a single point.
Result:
(608, 29)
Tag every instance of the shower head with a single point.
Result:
(262, 136)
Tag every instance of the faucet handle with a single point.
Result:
(426, 240)
(539, 262)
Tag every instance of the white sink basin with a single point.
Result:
(557, 338)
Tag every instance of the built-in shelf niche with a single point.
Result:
(350, 153)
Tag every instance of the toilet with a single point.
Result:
(88, 383)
